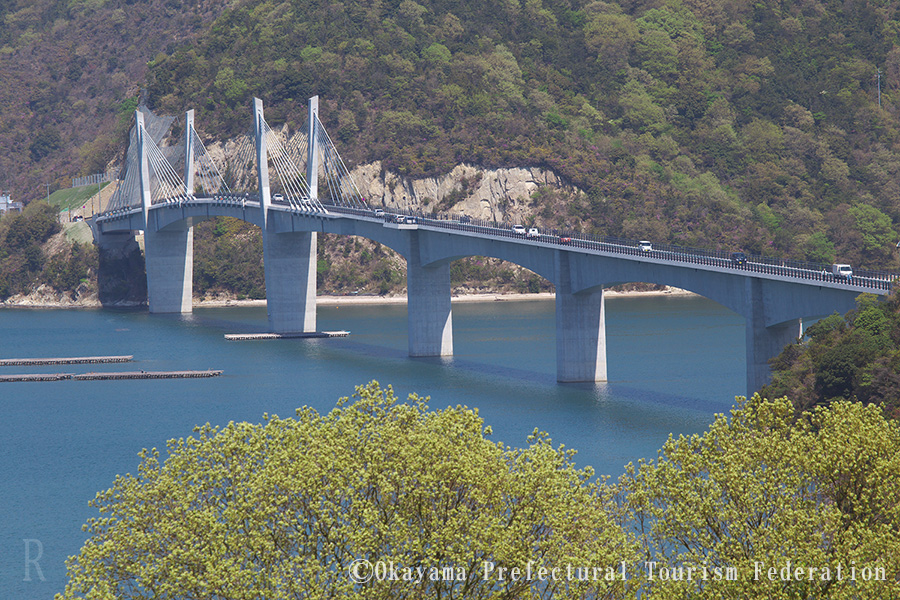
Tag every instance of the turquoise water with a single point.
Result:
(673, 363)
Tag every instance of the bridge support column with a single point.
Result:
(580, 330)
(764, 342)
(428, 307)
(290, 267)
(580, 336)
(169, 258)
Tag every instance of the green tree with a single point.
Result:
(284, 509)
(854, 356)
(876, 229)
(762, 489)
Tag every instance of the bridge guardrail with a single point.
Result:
(877, 280)
(767, 265)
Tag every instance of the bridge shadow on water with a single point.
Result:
(507, 373)
(355, 350)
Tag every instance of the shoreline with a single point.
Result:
(328, 300)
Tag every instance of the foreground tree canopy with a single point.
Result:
(283, 509)
(309, 507)
(764, 490)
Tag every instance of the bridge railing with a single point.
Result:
(876, 280)
(769, 265)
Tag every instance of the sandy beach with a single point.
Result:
(44, 300)
(360, 299)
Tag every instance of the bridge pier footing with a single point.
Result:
(290, 267)
(169, 259)
(429, 315)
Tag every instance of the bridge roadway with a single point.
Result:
(773, 296)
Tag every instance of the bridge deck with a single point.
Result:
(755, 266)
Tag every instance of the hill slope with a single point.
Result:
(751, 125)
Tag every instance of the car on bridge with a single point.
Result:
(564, 239)
(379, 213)
(277, 197)
(519, 229)
(738, 259)
(645, 246)
(533, 233)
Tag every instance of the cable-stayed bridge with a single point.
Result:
(294, 187)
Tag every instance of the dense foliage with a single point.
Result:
(228, 259)
(72, 74)
(856, 357)
(290, 508)
(765, 490)
(766, 126)
(285, 509)
(25, 264)
(735, 125)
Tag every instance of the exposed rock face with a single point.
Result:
(45, 296)
(495, 194)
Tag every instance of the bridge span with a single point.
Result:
(772, 295)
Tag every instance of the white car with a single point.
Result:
(534, 233)
(277, 198)
(379, 213)
(645, 246)
(519, 229)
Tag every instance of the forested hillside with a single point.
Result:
(854, 357)
(765, 126)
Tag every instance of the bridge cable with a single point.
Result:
(211, 180)
(339, 169)
(168, 185)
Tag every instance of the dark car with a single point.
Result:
(465, 219)
(738, 258)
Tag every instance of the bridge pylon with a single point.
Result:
(168, 252)
(312, 161)
(289, 258)
(189, 153)
(580, 328)
(429, 314)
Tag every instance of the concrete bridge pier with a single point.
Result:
(580, 329)
(580, 336)
(430, 320)
(764, 342)
(169, 259)
(290, 267)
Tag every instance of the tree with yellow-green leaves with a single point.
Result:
(299, 508)
(381, 499)
(729, 513)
